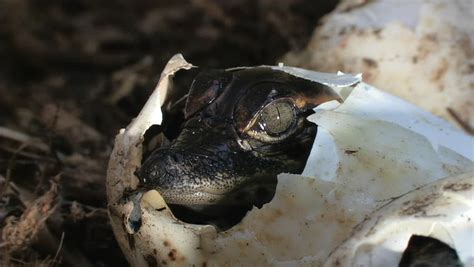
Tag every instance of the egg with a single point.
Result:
(373, 154)
(419, 50)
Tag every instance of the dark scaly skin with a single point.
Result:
(214, 164)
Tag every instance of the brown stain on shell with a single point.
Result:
(350, 152)
(151, 261)
(172, 255)
(440, 71)
(418, 206)
(131, 241)
(274, 216)
(370, 63)
(457, 187)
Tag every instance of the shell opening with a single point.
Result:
(428, 251)
(220, 214)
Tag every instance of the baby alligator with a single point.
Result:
(242, 128)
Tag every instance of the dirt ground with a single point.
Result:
(73, 72)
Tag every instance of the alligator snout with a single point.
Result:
(188, 177)
(206, 167)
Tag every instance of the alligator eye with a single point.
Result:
(274, 122)
(276, 117)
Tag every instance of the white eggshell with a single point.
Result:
(378, 148)
(419, 50)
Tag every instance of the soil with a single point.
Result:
(72, 73)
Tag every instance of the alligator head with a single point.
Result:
(242, 128)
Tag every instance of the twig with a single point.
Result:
(27, 154)
(59, 248)
(23, 138)
(19, 233)
(128, 78)
(11, 163)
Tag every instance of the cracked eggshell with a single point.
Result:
(443, 210)
(422, 51)
(372, 148)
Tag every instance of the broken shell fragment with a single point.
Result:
(369, 150)
(442, 210)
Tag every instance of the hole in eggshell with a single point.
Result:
(221, 215)
(135, 216)
(135, 222)
(157, 136)
(152, 139)
(428, 251)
